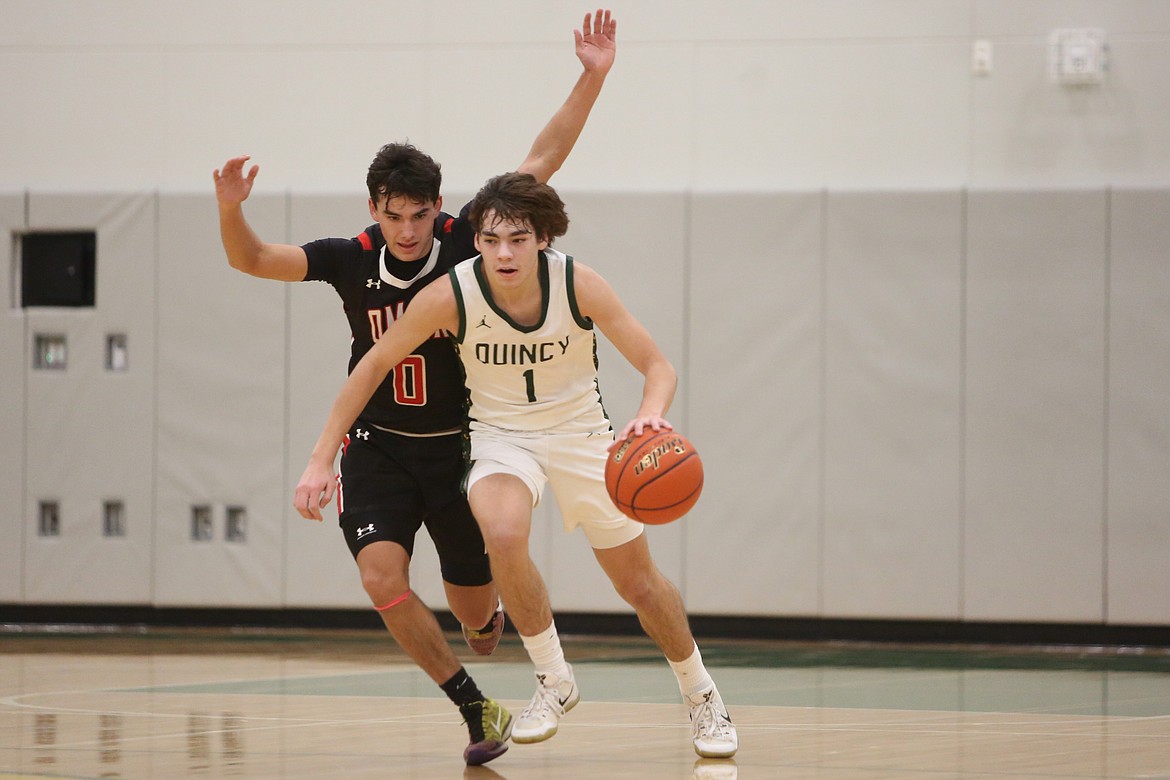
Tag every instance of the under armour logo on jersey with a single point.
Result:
(369, 529)
(363, 435)
(375, 283)
(483, 322)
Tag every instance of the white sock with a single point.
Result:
(692, 675)
(545, 651)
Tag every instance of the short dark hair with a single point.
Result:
(520, 198)
(401, 170)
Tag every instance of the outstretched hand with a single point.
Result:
(596, 46)
(231, 186)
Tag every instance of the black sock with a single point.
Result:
(461, 689)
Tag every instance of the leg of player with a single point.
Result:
(384, 571)
(479, 612)
(503, 505)
(663, 616)
(466, 570)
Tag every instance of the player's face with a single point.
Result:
(510, 252)
(407, 225)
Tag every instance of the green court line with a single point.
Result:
(636, 650)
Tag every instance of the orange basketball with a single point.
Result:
(654, 478)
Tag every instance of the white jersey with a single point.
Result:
(528, 378)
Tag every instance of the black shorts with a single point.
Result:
(390, 485)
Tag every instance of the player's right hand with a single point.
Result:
(231, 186)
(315, 490)
(635, 427)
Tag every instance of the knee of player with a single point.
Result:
(382, 586)
(505, 540)
(641, 588)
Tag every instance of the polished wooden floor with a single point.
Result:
(90, 703)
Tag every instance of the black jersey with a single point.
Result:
(425, 392)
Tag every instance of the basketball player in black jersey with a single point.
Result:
(403, 461)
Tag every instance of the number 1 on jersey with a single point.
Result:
(530, 385)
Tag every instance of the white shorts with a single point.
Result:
(573, 463)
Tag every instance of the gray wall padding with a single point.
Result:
(91, 431)
(933, 404)
(1033, 525)
(755, 389)
(892, 414)
(1138, 446)
(13, 359)
(222, 400)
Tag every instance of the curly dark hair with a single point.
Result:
(401, 170)
(520, 198)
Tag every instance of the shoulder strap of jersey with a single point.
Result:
(366, 238)
(460, 304)
(571, 292)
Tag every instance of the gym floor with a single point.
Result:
(90, 702)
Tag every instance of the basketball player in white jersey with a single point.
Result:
(522, 316)
(404, 461)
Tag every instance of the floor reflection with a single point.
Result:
(139, 708)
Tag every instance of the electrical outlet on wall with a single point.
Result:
(1077, 56)
(981, 57)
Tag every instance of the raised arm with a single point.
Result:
(432, 310)
(598, 301)
(245, 251)
(596, 47)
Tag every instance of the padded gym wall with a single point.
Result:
(221, 414)
(14, 364)
(892, 404)
(935, 404)
(1137, 490)
(926, 422)
(90, 426)
(1034, 367)
(755, 380)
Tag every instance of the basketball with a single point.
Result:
(654, 478)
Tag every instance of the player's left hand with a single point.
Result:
(638, 425)
(315, 490)
(596, 41)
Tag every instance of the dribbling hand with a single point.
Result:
(636, 426)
